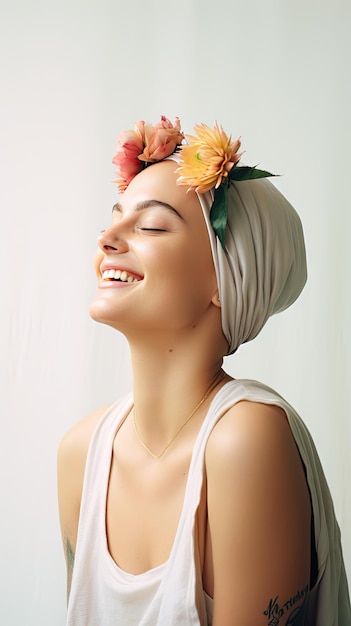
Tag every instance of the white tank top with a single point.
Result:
(172, 595)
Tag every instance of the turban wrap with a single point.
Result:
(262, 270)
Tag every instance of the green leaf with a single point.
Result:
(219, 211)
(244, 172)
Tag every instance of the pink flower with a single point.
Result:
(130, 144)
(145, 144)
(161, 140)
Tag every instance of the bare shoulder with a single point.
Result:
(252, 453)
(72, 454)
(75, 442)
(71, 459)
(252, 428)
(258, 516)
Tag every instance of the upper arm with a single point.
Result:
(258, 519)
(71, 459)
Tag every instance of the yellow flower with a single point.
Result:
(207, 158)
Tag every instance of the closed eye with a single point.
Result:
(154, 230)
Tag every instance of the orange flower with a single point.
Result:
(207, 158)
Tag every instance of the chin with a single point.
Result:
(101, 312)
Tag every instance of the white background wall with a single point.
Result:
(76, 72)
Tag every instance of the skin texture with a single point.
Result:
(253, 521)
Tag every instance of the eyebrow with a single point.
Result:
(147, 204)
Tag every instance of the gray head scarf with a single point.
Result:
(262, 271)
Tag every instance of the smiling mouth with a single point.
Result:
(119, 275)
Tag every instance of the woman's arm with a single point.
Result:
(70, 474)
(259, 517)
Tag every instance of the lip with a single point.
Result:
(111, 284)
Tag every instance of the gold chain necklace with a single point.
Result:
(158, 456)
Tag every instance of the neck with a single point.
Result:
(168, 384)
(219, 376)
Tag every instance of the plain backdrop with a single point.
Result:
(74, 73)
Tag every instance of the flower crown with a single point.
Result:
(208, 160)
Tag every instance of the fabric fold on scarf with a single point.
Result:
(263, 269)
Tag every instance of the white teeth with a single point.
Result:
(118, 275)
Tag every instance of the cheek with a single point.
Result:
(191, 277)
(203, 271)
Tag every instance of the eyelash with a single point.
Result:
(155, 230)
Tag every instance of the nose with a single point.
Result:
(111, 241)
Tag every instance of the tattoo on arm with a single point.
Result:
(286, 613)
(70, 564)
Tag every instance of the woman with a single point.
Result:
(203, 501)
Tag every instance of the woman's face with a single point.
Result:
(154, 265)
